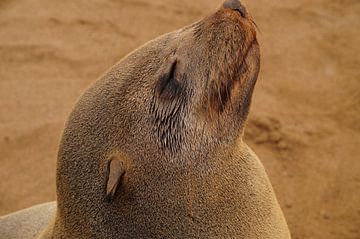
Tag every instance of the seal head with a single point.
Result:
(207, 78)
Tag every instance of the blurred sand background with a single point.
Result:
(305, 117)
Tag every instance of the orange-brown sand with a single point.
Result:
(305, 117)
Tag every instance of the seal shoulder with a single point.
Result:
(27, 223)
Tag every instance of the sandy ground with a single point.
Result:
(305, 117)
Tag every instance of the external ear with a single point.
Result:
(116, 171)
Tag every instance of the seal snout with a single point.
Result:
(236, 6)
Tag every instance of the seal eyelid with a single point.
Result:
(168, 86)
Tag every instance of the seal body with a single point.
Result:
(154, 148)
(27, 223)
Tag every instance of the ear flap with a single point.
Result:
(116, 171)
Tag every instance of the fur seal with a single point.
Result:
(154, 148)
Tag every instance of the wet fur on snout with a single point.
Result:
(229, 43)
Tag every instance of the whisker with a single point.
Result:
(256, 26)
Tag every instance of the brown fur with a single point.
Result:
(173, 112)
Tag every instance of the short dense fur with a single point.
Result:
(173, 112)
(27, 223)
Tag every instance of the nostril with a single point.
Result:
(241, 11)
(236, 6)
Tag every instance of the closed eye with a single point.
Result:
(168, 86)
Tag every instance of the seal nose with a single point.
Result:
(235, 5)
